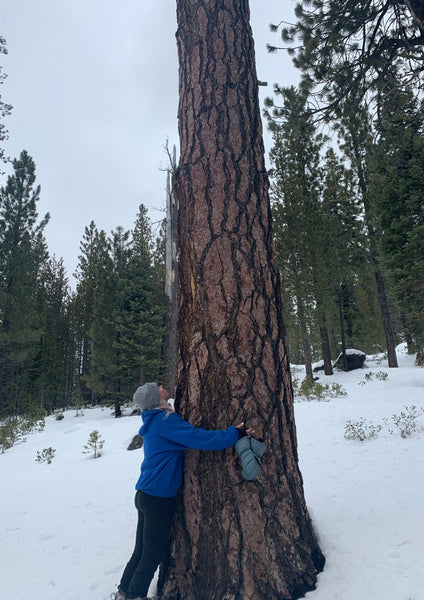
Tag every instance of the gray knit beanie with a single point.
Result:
(147, 396)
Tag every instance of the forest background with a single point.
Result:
(348, 218)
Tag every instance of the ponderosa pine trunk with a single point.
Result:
(232, 539)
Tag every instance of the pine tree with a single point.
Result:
(54, 358)
(340, 44)
(100, 376)
(107, 373)
(82, 309)
(347, 267)
(354, 129)
(233, 362)
(145, 304)
(94, 445)
(120, 299)
(396, 186)
(297, 222)
(23, 252)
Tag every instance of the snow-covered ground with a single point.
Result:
(67, 527)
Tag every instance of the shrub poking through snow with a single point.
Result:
(406, 421)
(46, 455)
(14, 429)
(313, 390)
(361, 430)
(10, 433)
(380, 376)
(94, 444)
(336, 390)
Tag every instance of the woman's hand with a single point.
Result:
(243, 431)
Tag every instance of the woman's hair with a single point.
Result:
(166, 407)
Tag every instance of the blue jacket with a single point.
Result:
(165, 437)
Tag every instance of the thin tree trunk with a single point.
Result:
(381, 287)
(342, 333)
(408, 337)
(385, 313)
(325, 346)
(4, 351)
(324, 337)
(233, 539)
(306, 345)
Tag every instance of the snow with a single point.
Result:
(353, 351)
(67, 527)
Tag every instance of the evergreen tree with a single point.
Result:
(94, 445)
(320, 239)
(340, 44)
(347, 266)
(121, 311)
(232, 357)
(22, 254)
(76, 346)
(145, 304)
(54, 359)
(396, 186)
(82, 310)
(297, 223)
(101, 332)
(106, 371)
(355, 129)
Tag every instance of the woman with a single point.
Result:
(165, 437)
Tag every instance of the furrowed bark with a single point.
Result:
(232, 539)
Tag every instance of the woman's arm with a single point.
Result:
(181, 432)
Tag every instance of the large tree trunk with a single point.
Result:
(233, 539)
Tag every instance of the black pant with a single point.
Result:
(155, 517)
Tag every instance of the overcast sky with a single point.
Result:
(93, 84)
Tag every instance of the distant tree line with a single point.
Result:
(94, 344)
(61, 347)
